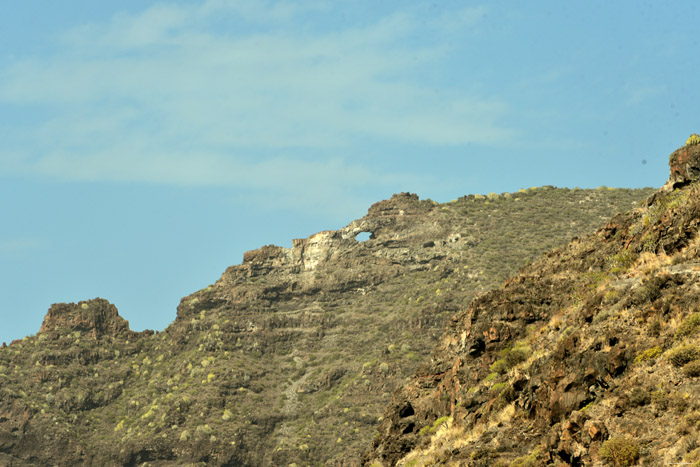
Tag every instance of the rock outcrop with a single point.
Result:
(96, 318)
(685, 166)
(588, 356)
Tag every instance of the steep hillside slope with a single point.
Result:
(589, 355)
(291, 356)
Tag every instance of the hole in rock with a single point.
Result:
(406, 410)
(363, 236)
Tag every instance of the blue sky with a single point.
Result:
(144, 146)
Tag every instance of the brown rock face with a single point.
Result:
(685, 165)
(575, 359)
(96, 318)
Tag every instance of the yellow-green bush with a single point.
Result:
(498, 388)
(499, 366)
(620, 451)
(526, 461)
(491, 377)
(510, 358)
(120, 426)
(430, 429)
(648, 354)
(683, 354)
(693, 139)
(515, 355)
(689, 326)
(621, 261)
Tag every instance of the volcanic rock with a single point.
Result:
(95, 318)
(291, 356)
(587, 356)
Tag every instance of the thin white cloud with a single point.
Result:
(331, 186)
(177, 94)
(201, 170)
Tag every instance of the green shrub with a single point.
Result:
(430, 429)
(622, 261)
(526, 461)
(509, 359)
(684, 354)
(620, 451)
(689, 326)
(587, 406)
(499, 367)
(515, 355)
(504, 391)
(648, 354)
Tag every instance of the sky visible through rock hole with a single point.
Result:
(146, 145)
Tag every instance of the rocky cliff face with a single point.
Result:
(589, 355)
(291, 356)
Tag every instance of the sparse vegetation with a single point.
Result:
(430, 429)
(286, 362)
(689, 327)
(692, 369)
(622, 261)
(683, 354)
(510, 357)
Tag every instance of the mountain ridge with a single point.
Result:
(287, 353)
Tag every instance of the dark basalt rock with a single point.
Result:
(596, 321)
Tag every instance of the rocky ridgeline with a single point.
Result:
(588, 356)
(96, 318)
(331, 261)
(291, 356)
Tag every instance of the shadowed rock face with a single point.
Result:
(588, 355)
(685, 166)
(292, 355)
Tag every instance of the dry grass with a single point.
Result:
(650, 263)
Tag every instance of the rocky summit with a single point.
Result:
(292, 356)
(589, 356)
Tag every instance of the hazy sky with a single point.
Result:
(144, 146)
